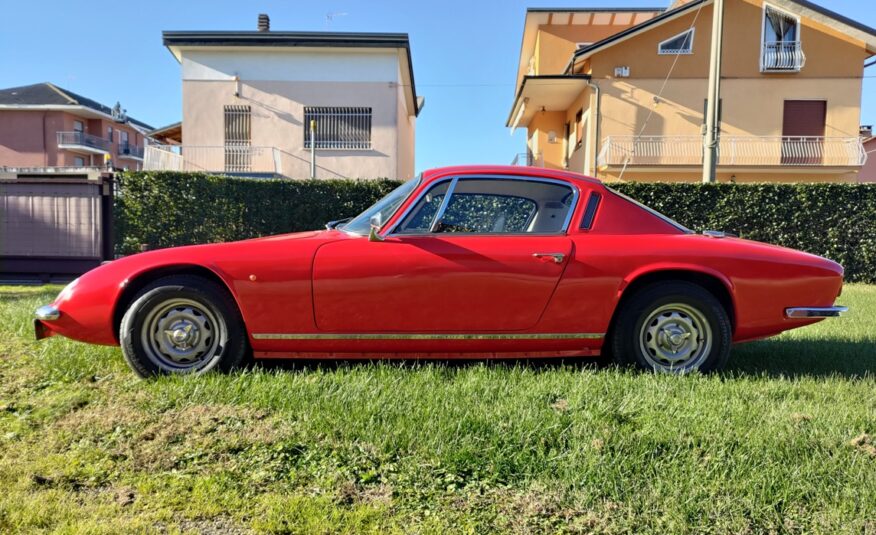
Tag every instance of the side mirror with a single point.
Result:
(376, 223)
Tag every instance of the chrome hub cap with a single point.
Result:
(676, 338)
(181, 334)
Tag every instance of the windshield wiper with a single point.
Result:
(331, 225)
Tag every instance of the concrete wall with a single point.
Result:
(868, 173)
(279, 84)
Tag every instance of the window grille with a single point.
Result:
(338, 128)
(238, 138)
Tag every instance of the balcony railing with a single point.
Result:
(528, 159)
(734, 151)
(126, 150)
(244, 160)
(782, 56)
(82, 141)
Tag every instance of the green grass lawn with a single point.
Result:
(784, 442)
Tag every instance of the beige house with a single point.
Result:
(620, 93)
(250, 98)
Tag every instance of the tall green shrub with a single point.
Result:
(163, 209)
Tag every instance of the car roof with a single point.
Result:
(514, 170)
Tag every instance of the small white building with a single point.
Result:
(249, 99)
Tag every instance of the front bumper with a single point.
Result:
(815, 312)
(44, 313)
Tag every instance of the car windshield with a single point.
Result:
(385, 207)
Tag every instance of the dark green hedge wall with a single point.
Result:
(837, 221)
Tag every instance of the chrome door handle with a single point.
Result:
(556, 257)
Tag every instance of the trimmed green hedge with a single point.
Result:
(837, 221)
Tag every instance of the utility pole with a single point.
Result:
(710, 141)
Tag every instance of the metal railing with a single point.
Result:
(528, 159)
(81, 139)
(126, 150)
(734, 150)
(782, 56)
(215, 159)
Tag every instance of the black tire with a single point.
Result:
(201, 310)
(678, 313)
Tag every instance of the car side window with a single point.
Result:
(421, 217)
(491, 206)
(486, 213)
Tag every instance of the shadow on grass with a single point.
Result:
(804, 358)
(770, 358)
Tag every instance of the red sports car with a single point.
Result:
(464, 262)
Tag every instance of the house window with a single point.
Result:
(579, 128)
(78, 162)
(782, 50)
(109, 133)
(78, 126)
(338, 128)
(238, 138)
(680, 44)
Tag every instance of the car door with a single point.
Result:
(475, 254)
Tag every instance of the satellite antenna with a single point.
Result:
(330, 17)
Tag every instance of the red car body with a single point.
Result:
(330, 293)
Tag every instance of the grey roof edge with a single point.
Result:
(836, 16)
(75, 99)
(639, 27)
(527, 77)
(690, 5)
(594, 9)
(297, 39)
(272, 38)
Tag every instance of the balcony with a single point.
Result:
(528, 159)
(745, 151)
(82, 142)
(228, 159)
(130, 152)
(782, 56)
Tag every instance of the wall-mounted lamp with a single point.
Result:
(657, 101)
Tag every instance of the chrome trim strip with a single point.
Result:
(815, 312)
(526, 178)
(424, 336)
(439, 215)
(47, 313)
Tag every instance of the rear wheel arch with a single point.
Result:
(714, 284)
(143, 279)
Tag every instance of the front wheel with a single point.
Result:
(673, 327)
(182, 324)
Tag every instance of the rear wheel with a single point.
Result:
(182, 324)
(672, 327)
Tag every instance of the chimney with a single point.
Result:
(867, 130)
(264, 22)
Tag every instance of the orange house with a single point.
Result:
(620, 93)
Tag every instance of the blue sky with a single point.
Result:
(465, 55)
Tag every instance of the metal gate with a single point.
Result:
(52, 227)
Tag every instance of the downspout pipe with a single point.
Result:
(598, 115)
(570, 68)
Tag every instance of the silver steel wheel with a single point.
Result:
(181, 335)
(676, 338)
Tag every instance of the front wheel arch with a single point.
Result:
(144, 278)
